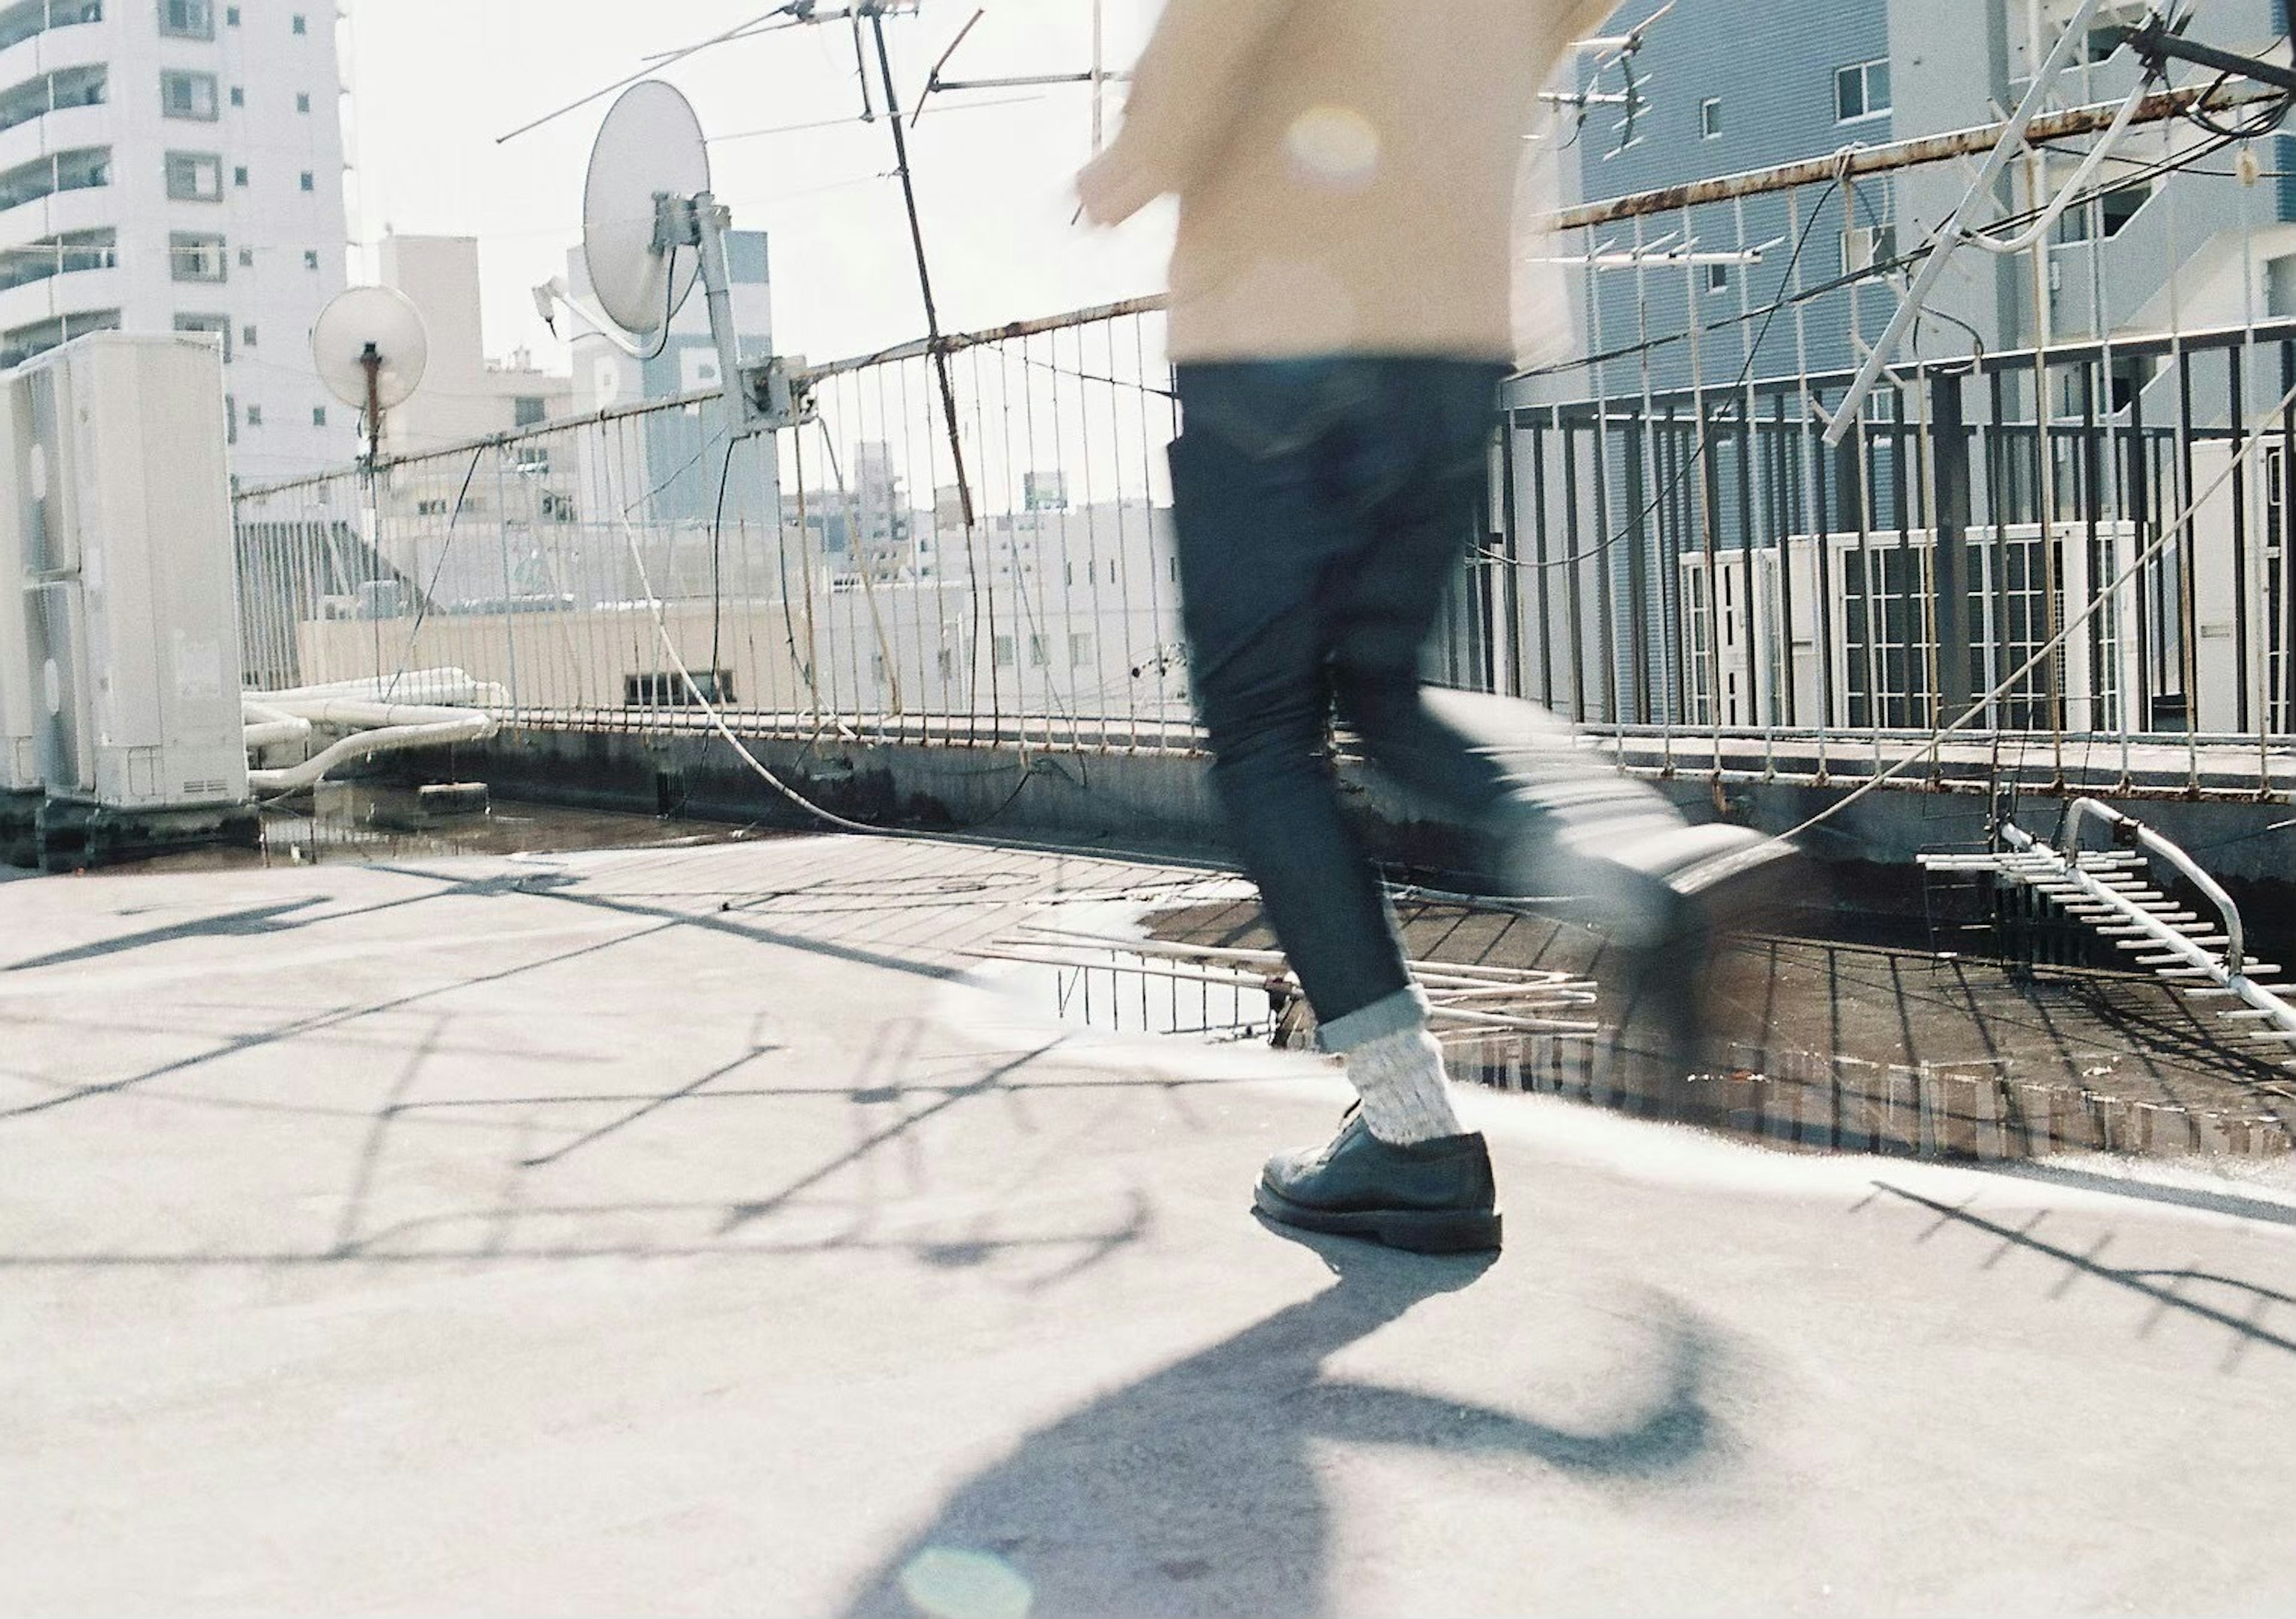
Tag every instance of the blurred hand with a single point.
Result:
(1112, 189)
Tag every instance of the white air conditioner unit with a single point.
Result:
(119, 494)
(1864, 246)
(20, 704)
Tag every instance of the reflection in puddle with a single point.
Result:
(354, 824)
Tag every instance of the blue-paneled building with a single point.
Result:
(1741, 85)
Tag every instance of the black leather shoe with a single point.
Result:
(1431, 1197)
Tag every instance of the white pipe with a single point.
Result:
(429, 718)
(463, 725)
(268, 727)
(415, 686)
(364, 714)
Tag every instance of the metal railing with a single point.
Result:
(835, 578)
(2072, 557)
(1700, 576)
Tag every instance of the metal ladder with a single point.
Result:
(2108, 891)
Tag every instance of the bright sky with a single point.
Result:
(435, 82)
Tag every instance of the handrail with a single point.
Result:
(2128, 829)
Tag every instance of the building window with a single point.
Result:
(255, 415)
(62, 171)
(1717, 278)
(247, 336)
(435, 507)
(2118, 210)
(231, 16)
(318, 415)
(529, 410)
(247, 258)
(300, 26)
(1709, 118)
(187, 19)
(2280, 287)
(21, 344)
(302, 101)
(1861, 91)
(1006, 651)
(310, 181)
(1080, 649)
(194, 176)
(2103, 218)
(188, 95)
(665, 689)
(1864, 246)
(218, 325)
(1039, 652)
(63, 255)
(310, 258)
(239, 174)
(238, 96)
(193, 257)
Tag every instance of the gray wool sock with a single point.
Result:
(1406, 1097)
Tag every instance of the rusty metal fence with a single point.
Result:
(2062, 564)
(837, 577)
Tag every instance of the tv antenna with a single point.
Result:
(1612, 51)
(651, 227)
(371, 349)
(2153, 47)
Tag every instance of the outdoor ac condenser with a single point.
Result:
(20, 708)
(121, 498)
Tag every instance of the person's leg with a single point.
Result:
(1258, 529)
(1561, 825)
(1558, 825)
(1266, 533)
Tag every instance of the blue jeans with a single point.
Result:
(1322, 508)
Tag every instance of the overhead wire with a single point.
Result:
(1698, 452)
(2170, 533)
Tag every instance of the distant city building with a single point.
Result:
(862, 522)
(524, 499)
(465, 395)
(177, 165)
(1742, 84)
(678, 480)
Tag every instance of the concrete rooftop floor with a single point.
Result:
(688, 1231)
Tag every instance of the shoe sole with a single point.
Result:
(1415, 1230)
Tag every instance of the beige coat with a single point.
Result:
(1347, 169)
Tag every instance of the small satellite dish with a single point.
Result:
(371, 347)
(650, 147)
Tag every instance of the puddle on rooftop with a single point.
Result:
(354, 823)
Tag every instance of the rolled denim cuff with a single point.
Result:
(1405, 1009)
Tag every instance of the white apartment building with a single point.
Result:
(177, 165)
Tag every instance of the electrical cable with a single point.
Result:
(716, 719)
(716, 552)
(2170, 533)
(669, 306)
(1706, 431)
(1880, 270)
(446, 549)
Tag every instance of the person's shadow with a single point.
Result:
(1195, 1491)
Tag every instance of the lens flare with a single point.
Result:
(950, 1584)
(1335, 146)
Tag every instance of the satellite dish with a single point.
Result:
(371, 347)
(650, 147)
